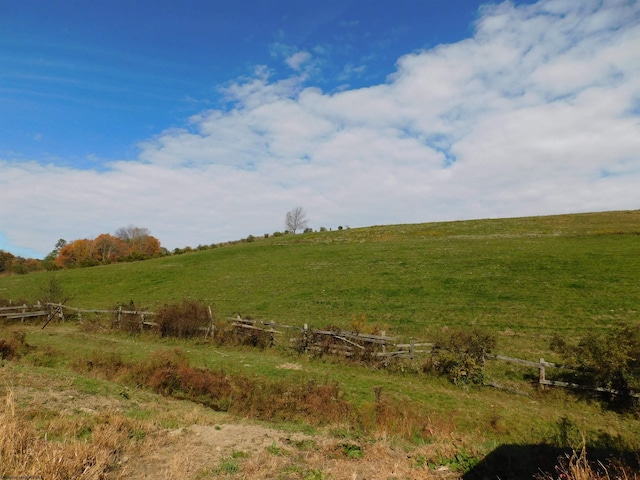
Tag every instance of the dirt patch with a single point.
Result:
(257, 452)
(198, 450)
(289, 366)
(207, 444)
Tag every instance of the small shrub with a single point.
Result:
(351, 450)
(227, 334)
(460, 355)
(13, 347)
(127, 318)
(183, 320)
(53, 292)
(609, 360)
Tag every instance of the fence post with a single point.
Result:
(385, 359)
(305, 338)
(24, 309)
(411, 352)
(212, 328)
(541, 375)
(272, 338)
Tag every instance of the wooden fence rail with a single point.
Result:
(345, 343)
(22, 312)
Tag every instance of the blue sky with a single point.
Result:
(121, 71)
(206, 121)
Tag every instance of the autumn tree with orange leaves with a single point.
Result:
(129, 243)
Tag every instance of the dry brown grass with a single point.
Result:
(249, 451)
(578, 467)
(55, 451)
(312, 402)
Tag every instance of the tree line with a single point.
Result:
(128, 244)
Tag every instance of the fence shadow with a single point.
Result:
(518, 462)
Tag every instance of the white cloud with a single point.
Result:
(529, 116)
(297, 60)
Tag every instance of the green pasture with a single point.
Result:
(522, 279)
(531, 276)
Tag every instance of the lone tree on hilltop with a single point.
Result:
(140, 242)
(296, 219)
(131, 233)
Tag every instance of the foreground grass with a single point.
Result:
(416, 410)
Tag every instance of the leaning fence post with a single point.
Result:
(212, 327)
(541, 375)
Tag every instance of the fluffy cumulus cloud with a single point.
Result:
(537, 113)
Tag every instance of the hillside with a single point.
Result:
(525, 274)
(115, 405)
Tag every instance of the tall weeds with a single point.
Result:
(578, 467)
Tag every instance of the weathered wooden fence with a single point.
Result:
(22, 312)
(304, 339)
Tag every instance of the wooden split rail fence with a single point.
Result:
(309, 340)
(22, 312)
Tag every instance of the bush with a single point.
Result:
(226, 333)
(608, 360)
(187, 319)
(52, 292)
(460, 355)
(13, 347)
(127, 318)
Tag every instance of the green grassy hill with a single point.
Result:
(522, 279)
(556, 273)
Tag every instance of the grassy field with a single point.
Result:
(522, 279)
(542, 274)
